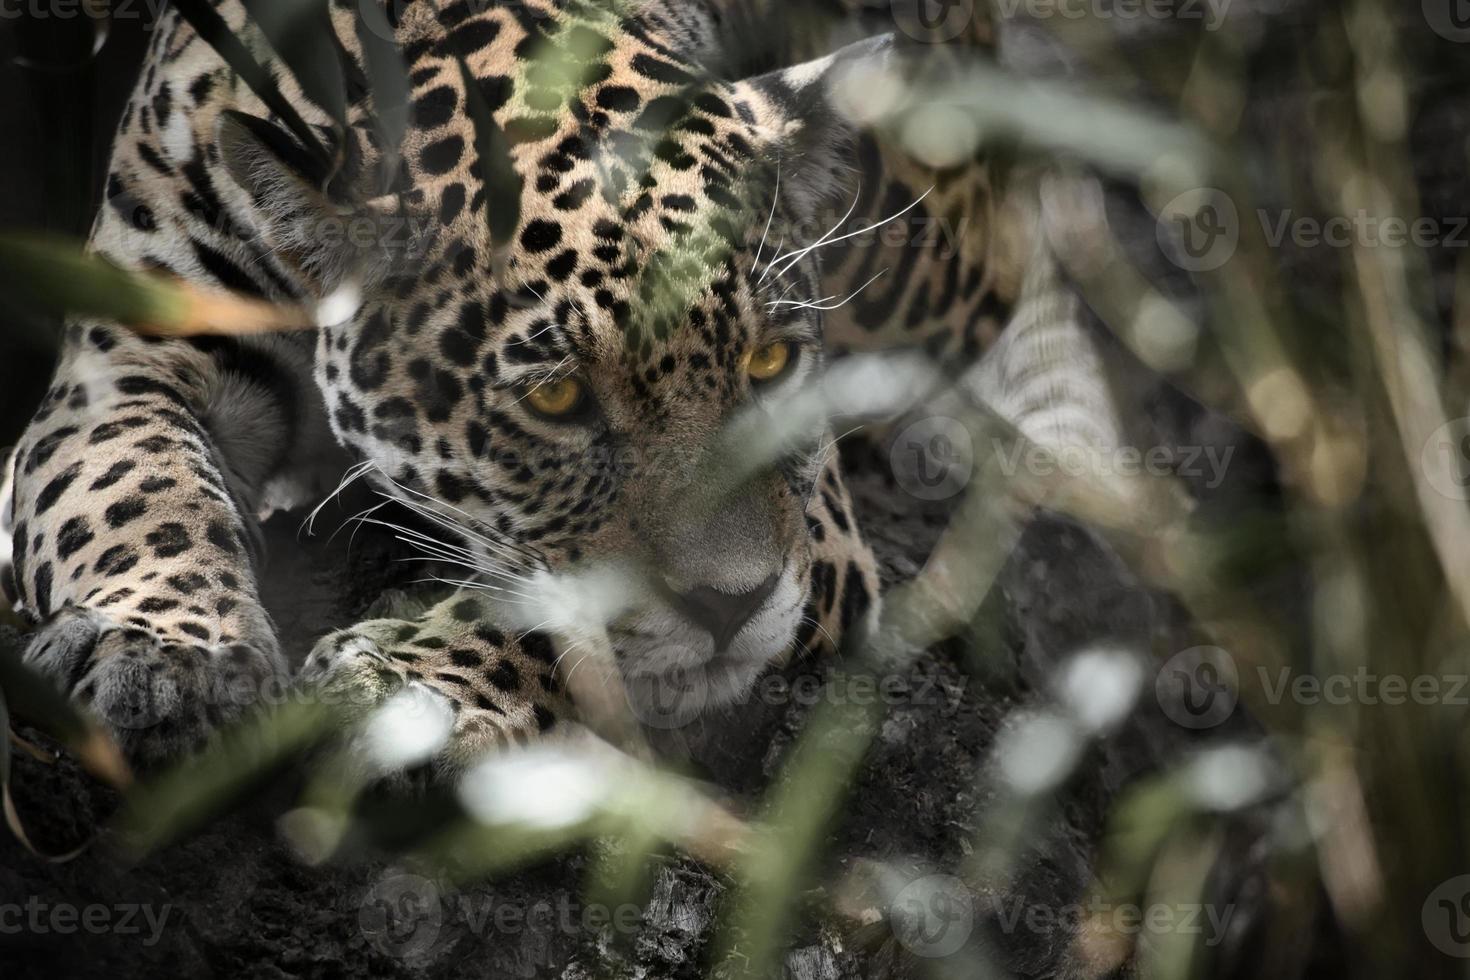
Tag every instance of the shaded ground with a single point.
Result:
(233, 900)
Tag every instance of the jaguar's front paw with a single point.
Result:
(501, 689)
(160, 695)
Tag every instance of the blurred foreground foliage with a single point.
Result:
(1363, 800)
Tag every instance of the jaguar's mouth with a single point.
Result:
(673, 667)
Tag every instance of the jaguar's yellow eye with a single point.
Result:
(556, 399)
(769, 362)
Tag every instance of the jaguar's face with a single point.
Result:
(562, 406)
(571, 410)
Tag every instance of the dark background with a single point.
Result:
(58, 108)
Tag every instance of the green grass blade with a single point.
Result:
(301, 33)
(387, 77)
(502, 183)
(212, 28)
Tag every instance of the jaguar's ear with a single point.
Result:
(822, 105)
(328, 235)
(282, 179)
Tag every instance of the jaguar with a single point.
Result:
(551, 402)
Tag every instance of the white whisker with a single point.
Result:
(450, 554)
(819, 304)
(441, 551)
(473, 586)
(772, 217)
(821, 461)
(784, 293)
(820, 629)
(356, 520)
(502, 546)
(791, 258)
(567, 677)
(353, 474)
(551, 325)
(796, 255)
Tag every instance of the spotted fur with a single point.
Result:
(654, 196)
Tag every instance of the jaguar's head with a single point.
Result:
(563, 402)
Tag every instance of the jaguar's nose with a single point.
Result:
(724, 614)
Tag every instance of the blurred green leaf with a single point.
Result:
(388, 78)
(52, 274)
(12, 816)
(48, 710)
(236, 759)
(301, 33)
(210, 26)
(498, 176)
